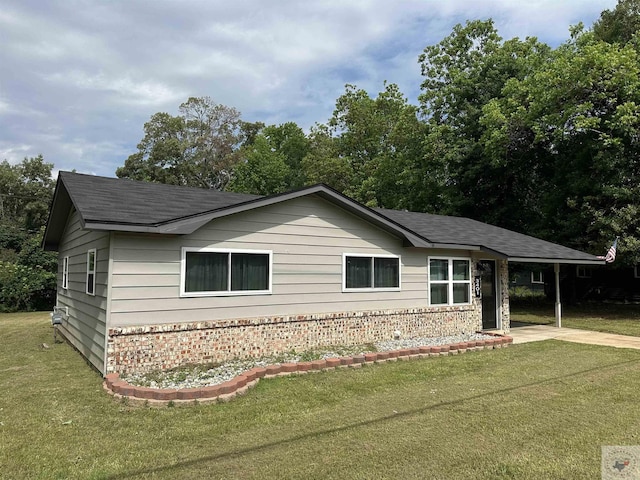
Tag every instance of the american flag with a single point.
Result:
(611, 254)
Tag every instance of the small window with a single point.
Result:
(583, 271)
(65, 273)
(91, 272)
(536, 277)
(370, 272)
(449, 281)
(210, 272)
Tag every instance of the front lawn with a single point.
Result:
(532, 411)
(601, 317)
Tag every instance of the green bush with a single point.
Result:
(526, 296)
(27, 272)
(25, 288)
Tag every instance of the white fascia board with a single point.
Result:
(556, 260)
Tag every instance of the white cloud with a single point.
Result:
(14, 153)
(142, 92)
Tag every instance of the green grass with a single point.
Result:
(610, 318)
(532, 411)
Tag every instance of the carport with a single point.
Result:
(493, 242)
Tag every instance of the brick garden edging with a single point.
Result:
(239, 385)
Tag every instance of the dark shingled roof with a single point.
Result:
(123, 201)
(127, 205)
(465, 231)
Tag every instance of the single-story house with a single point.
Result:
(154, 276)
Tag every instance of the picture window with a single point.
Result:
(449, 281)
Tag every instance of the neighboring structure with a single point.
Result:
(580, 283)
(611, 283)
(531, 278)
(155, 276)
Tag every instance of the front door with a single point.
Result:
(489, 297)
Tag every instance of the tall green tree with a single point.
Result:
(323, 163)
(381, 140)
(462, 74)
(264, 171)
(271, 161)
(199, 147)
(289, 140)
(619, 25)
(26, 190)
(27, 274)
(580, 115)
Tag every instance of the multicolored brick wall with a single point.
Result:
(148, 348)
(505, 313)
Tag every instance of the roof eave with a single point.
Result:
(455, 246)
(573, 261)
(61, 203)
(470, 248)
(121, 227)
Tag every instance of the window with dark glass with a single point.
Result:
(536, 277)
(210, 271)
(91, 272)
(449, 281)
(371, 272)
(583, 271)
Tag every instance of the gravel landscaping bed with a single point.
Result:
(204, 376)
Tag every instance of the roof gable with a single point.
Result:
(125, 205)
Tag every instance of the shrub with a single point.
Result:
(526, 296)
(24, 287)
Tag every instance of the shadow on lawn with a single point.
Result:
(385, 418)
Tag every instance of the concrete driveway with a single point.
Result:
(525, 332)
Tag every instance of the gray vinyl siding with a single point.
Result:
(85, 326)
(308, 237)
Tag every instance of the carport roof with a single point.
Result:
(516, 247)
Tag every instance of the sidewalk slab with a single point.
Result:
(523, 333)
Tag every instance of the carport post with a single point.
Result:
(556, 269)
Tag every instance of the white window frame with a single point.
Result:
(65, 273)
(537, 282)
(91, 272)
(223, 293)
(636, 270)
(583, 271)
(372, 256)
(450, 282)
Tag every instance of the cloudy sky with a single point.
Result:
(78, 79)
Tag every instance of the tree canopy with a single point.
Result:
(540, 140)
(463, 74)
(619, 25)
(27, 274)
(577, 118)
(199, 147)
(380, 139)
